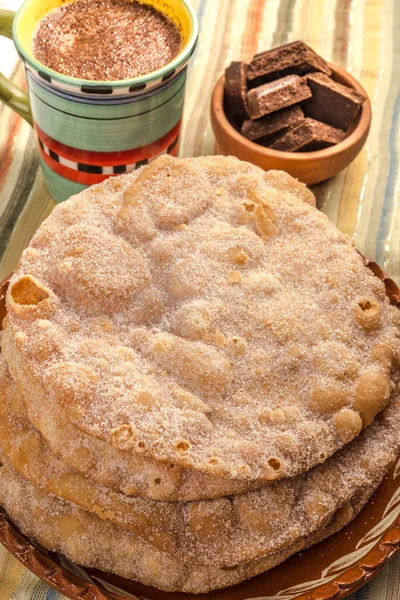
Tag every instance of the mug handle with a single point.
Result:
(10, 94)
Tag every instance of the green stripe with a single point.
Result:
(122, 133)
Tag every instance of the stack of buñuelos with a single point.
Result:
(199, 376)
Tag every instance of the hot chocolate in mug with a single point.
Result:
(90, 130)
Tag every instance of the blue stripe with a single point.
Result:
(360, 595)
(393, 150)
(51, 594)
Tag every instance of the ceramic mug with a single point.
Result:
(90, 130)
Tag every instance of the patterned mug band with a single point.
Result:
(87, 168)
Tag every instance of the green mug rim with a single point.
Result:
(181, 59)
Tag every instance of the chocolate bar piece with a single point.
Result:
(332, 102)
(307, 136)
(277, 94)
(236, 90)
(295, 57)
(269, 127)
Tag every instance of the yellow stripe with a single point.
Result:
(353, 178)
(220, 18)
(11, 572)
(366, 178)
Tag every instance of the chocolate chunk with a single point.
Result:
(277, 94)
(295, 57)
(332, 102)
(268, 127)
(307, 136)
(236, 90)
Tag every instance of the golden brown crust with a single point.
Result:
(217, 533)
(118, 292)
(89, 541)
(129, 473)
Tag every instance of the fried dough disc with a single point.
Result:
(200, 314)
(222, 532)
(122, 470)
(87, 540)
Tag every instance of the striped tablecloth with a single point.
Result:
(363, 36)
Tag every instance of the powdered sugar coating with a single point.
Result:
(275, 296)
(85, 539)
(218, 533)
(127, 472)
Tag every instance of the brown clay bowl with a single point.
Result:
(309, 167)
(331, 570)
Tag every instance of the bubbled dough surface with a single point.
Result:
(217, 533)
(195, 313)
(127, 472)
(85, 539)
